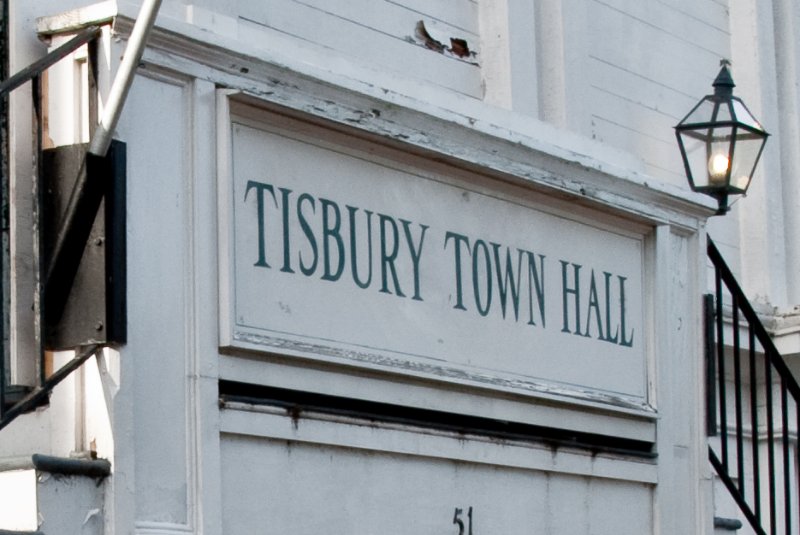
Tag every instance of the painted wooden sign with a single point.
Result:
(334, 251)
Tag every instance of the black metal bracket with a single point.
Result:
(83, 249)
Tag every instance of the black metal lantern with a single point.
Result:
(720, 143)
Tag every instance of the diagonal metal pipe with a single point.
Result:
(124, 78)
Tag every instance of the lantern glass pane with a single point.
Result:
(745, 158)
(694, 156)
(702, 113)
(707, 155)
(718, 157)
(723, 112)
(744, 116)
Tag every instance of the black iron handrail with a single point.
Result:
(752, 398)
(39, 395)
(33, 73)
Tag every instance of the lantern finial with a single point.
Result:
(723, 84)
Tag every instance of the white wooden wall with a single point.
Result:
(244, 468)
(189, 464)
(573, 97)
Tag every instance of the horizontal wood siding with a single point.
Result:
(638, 93)
(380, 33)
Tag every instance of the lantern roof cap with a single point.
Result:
(723, 84)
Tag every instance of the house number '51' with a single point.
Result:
(458, 520)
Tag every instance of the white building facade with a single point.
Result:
(394, 266)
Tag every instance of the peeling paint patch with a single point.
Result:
(91, 514)
(458, 48)
(435, 368)
(421, 33)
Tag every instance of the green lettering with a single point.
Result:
(629, 341)
(594, 304)
(353, 248)
(388, 257)
(287, 265)
(505, 277)
(312, 241)
(458, 239)
(575, 292)
(535, 282)
(608, 337)
(331, 230)
(260, 189)
(483, 308)
(416, 252)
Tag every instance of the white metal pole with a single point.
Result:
(124, 78)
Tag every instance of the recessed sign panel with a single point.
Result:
(340, 254)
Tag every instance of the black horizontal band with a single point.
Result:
(296, 402)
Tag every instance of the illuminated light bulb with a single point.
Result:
(718, 168)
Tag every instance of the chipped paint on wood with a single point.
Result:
(458, 46)
(371, 31)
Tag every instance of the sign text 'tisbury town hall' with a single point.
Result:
(353, 245)
(345, 256)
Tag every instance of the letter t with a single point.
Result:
(260, 188)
